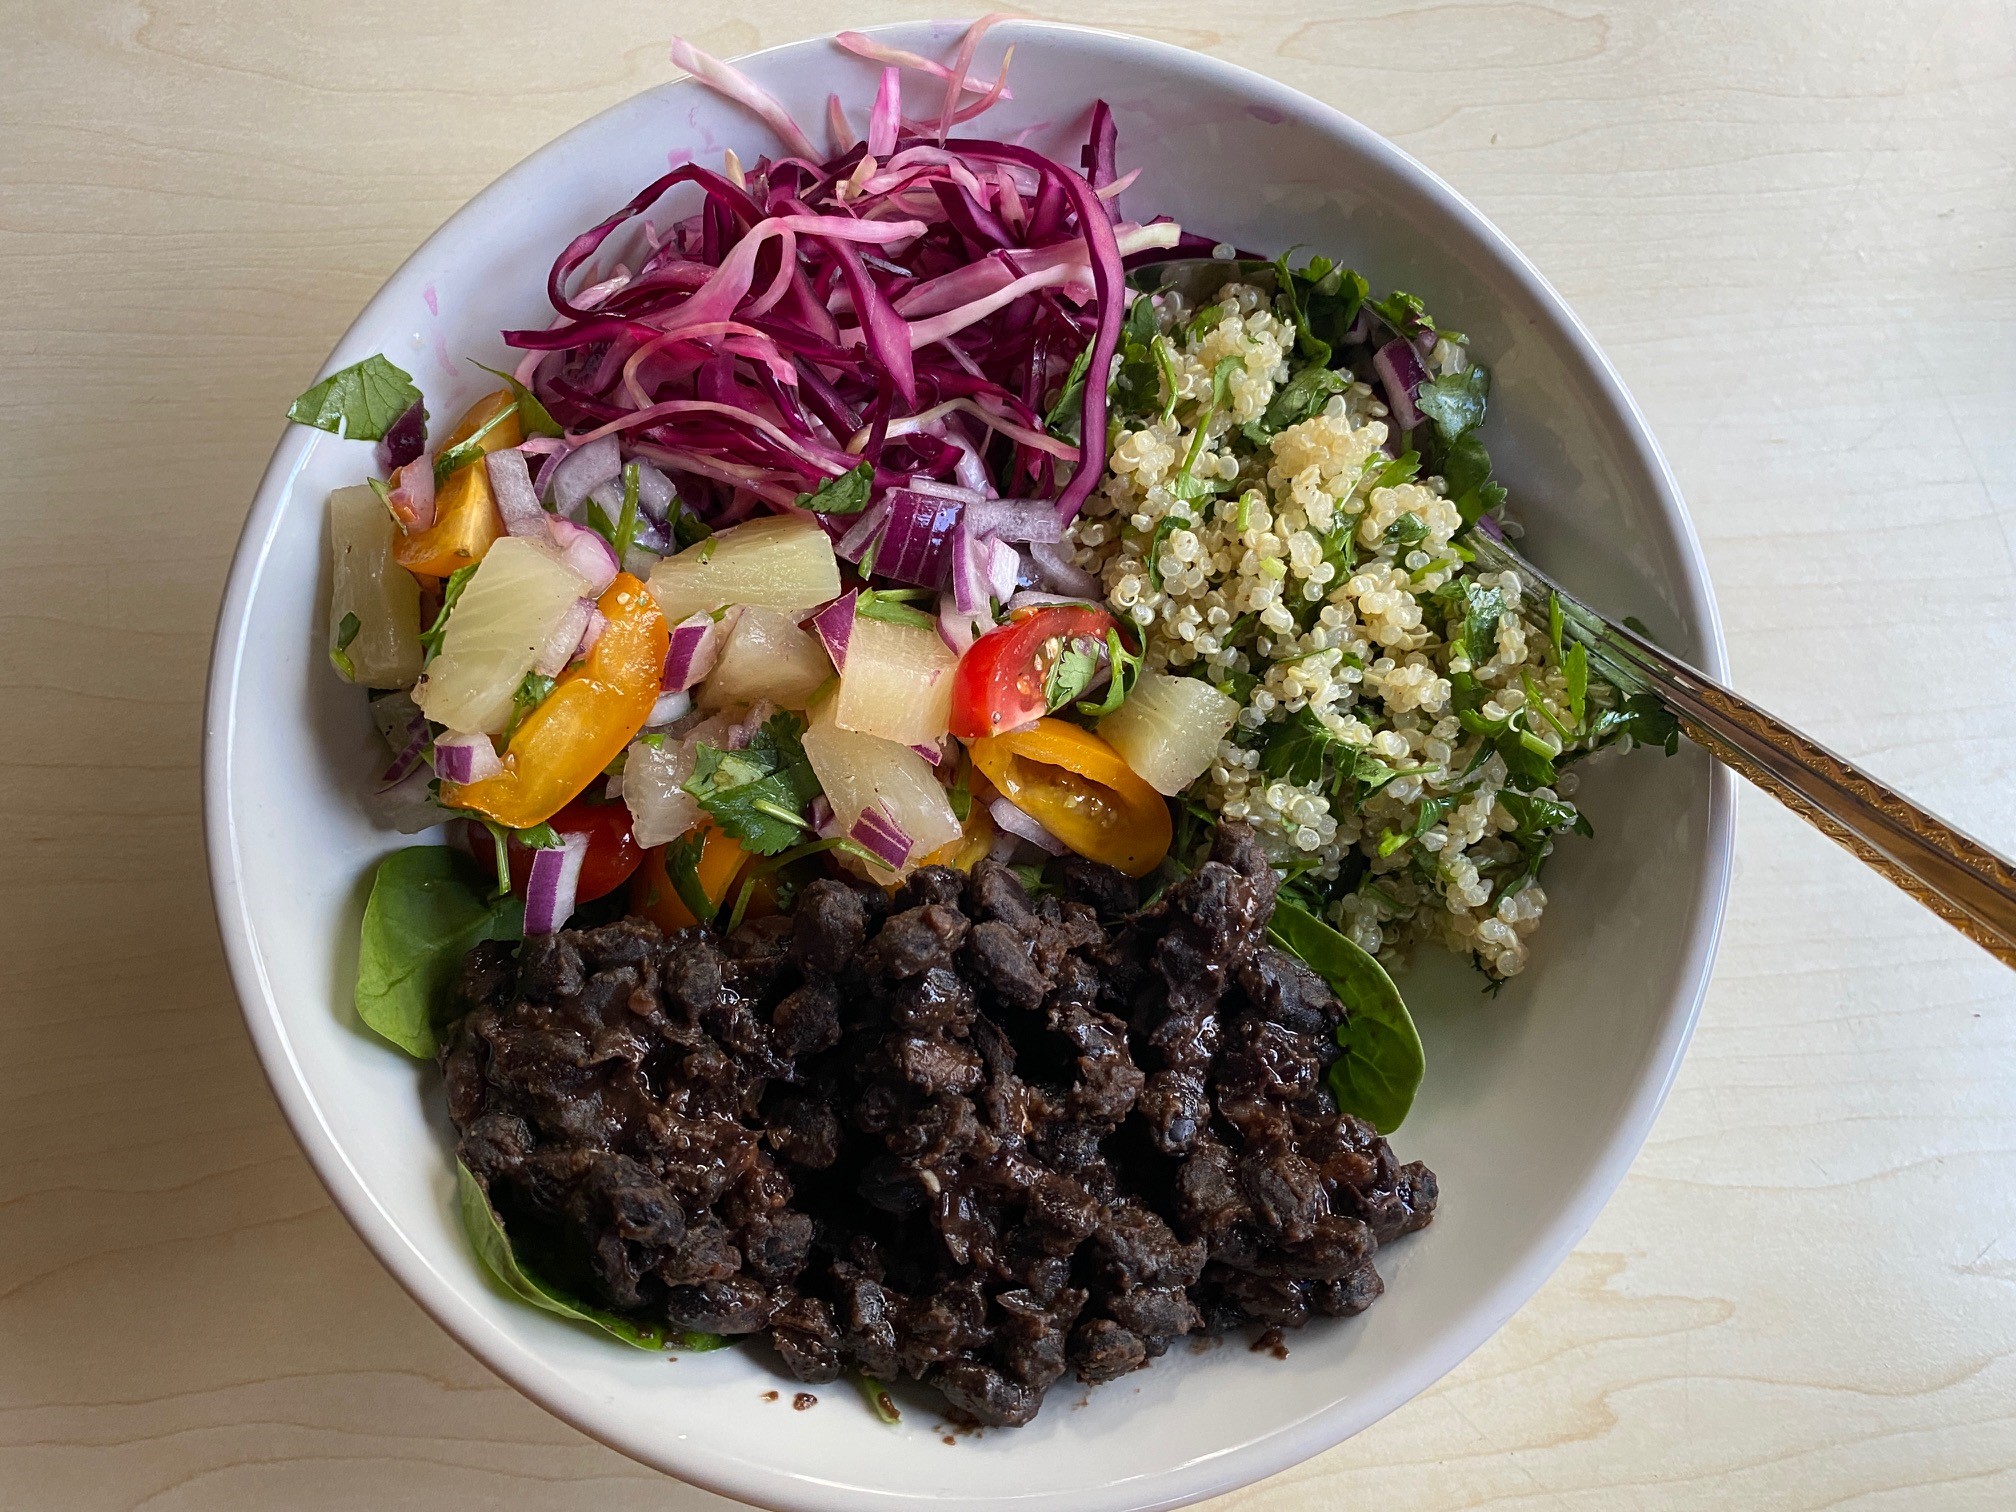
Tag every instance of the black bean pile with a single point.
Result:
(960, 1135)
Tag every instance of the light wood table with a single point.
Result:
(1794, 228)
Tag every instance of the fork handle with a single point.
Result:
(1958, 878)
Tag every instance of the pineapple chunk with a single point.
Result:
(509, 609)
(374, 604)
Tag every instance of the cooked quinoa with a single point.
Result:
(1306, 576)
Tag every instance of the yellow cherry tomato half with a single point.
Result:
(595, 708)
(1081, 790)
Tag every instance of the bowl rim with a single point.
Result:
(1189, 1480)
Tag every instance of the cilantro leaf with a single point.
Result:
(430, 638)
(626, 517)
(887, 607)
(682, 869)
(1070, 675)
(533, 417)
(1126, 672)
(471, 449)
(1455, 402)
(758, 795)
(844, 495)
(339, 654)
(359, 402)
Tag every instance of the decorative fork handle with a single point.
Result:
(1958, 878)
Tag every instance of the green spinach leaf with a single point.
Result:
(427, 909)
(1382, 1064)
(358, 402)
(486, 1236)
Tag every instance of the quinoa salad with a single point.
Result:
(929, 697)
(1317, 577)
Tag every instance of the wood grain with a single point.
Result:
(1793, 228)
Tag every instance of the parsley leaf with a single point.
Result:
(1455, 402)
(1403, 312)
(1575, 667)
(758, 795)
(1482, 608)
(1301, 397)
(844, 495)
(1407, 530)
(1137, 382)
(359, 402)
(1641, 716)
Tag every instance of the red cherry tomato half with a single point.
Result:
(613, 852)
(1002, 682)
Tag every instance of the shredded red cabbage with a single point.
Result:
(914, 302)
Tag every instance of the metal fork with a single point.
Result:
(1958, 878)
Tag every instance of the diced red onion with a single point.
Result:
(409, 755)
(670, 708)
(834, 625)
(570, 479)
(564, 641)
(464, 759)
(517, 500)
(854, 544)
(690, 653)
(638, 562)
(411, 498)
(957, 630)
(916, 545)
(592, 632)
(655, 493)
(1016, 822)
(1059, 573)
(550, 889)
(819, 814)
(406, 438)
(931, 753)
(881, 836)
(584, 551)
(969, 572)
(1016, 519)
(1004, 568)
(1400, 375)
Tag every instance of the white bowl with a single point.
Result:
(1535, 1103)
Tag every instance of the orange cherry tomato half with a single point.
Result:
(1081, 790)
(1002, 682)
(652, 895)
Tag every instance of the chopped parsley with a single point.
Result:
(844, 495)
(339, 653)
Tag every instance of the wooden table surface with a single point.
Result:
(1792, 226)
